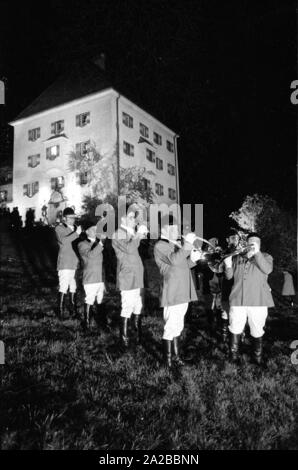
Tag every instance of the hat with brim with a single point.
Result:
(68, 211)
(91, 232)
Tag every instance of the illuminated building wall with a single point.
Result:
(44, 142)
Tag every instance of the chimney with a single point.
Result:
(100, 61)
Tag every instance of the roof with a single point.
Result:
(84, 78)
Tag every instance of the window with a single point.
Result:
(157, 138)
(83, 119)
(30, 189)
(84, 178)
(3, 196)
(82, 148)
(33, 160)
(57, 183)
(57, 127)
(144, 131)
(159, 189)
(170, 146)
(150, 155)
(128, 149)
(146, 184)
(34, 134)
(52, 152)
(159, 164)
(172, 193)
(127, 120)
(171, 169)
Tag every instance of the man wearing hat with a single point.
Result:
(67, 232)
(174, 262)
(250, 296)
(91, 253)
(130, 271)
(232, 240)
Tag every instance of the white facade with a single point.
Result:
(106, 131)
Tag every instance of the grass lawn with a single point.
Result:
(62, 388)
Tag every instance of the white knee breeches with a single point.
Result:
(174, 320)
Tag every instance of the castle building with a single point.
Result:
(79, 137)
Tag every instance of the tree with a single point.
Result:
(132, 185)
(5, 174)
(248, 217)
(276, 226)
(98, 169)
(135, 186)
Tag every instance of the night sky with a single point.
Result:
(216, 72)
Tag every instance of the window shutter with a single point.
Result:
(78, 120)
(30, 161)
(84, 178)
(62, 126)
(38, 132)
(53, 128)
(78, 179)
(48, 153)
(29, 135)
(25, 189)
(58, 150)
(88, 119)
(35, 187)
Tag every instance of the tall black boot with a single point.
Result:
(73, 304)
(86, 322)
(102, 316)
(177, 357)
(61, 305)
(137, 327)
(124, 336)
(257, 347)
(168, 352)
(211, 321)
(224, 330)
(234, 347)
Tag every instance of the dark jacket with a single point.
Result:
(67, 258)
(91, 254)
(130, 270)
(174, 265)
(250, 288)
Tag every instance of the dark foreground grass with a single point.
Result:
(62, 388)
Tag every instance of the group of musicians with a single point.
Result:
(244, 274)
